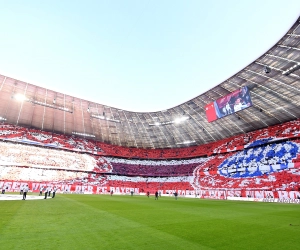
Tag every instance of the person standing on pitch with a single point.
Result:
(41, 191)
(176, 195)
(53, 192)
(156, 195)
(25, 190)
(21, 190)
(3, 189)
(46, 192)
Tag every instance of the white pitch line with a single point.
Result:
(15, 197)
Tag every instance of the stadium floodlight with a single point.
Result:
(20, 97)
(160, 123)
(50, 105)
(83, 134)
(185, 142)
(181, 119)
(176, 121)
(101, 117)
(291, 69)
(98, 117)
(2, 118)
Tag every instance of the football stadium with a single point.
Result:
(219, 171)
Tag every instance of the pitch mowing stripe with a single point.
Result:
(138, 235)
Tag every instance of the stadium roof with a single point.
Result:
(275, 96)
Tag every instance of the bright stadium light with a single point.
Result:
(181, 119)
(185, 142)
(101, 117)
(20, 97)
(291, 69)
(176, 121)
(53, 106)
(83, 134)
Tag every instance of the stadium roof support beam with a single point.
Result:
(288, 47)
(190, 125)
(132, 134)
(2, 83)
(44, 107)
(159, 127)
(145, 131)
(64, 122)
(100, 123)
(280, 70)
(277, 81)
(283, 58)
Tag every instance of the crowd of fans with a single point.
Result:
(257, 161)
(19, 173)
(25, 155)
(238, 142)
(276, 167)
(262, 159)
(272, 167)
(154, 167)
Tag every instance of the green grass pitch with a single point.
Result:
(124, 222)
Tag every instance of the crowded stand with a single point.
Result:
(154, 168)
(20, 173)
(26, 155)
(265, 160)
(272, 167)
(289, 130)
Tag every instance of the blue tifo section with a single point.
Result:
(260, 160)
(260, 142)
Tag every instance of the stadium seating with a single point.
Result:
(268, 159)
(289, 130)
